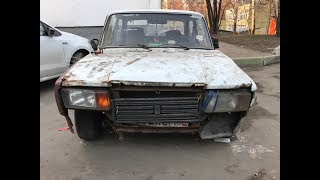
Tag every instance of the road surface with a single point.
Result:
(255, 154)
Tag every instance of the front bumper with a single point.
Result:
(130, 109)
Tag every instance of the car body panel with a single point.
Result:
(160, 67)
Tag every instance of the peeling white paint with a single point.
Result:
(159, 67)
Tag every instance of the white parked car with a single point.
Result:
(59, 50)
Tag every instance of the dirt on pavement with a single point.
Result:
(262, 43)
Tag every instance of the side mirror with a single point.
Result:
(94, 44)
(215, 42)
(51, 31)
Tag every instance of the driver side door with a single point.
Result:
(52, 59)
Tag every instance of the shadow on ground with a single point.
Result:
(47, 86)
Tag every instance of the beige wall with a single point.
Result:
(262, 20)
(242, 18)
(70, 13)
(262, 17)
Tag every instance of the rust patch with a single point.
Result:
(100, 67)
(91, 74)
(105, 82)
(242, 85)
(65, 77)
(142, 129)
(74, 83)
(133, 61)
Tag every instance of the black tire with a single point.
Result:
(76, 57)
(88, 124)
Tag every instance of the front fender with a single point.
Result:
(71, 49)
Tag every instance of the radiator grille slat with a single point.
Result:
(168, 109)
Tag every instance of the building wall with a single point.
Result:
(71, 13)
(263, 19)
(242, 19)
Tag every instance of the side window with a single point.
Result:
(199, 33)
(42, 30)
(110, 28)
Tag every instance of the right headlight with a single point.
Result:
(226, 101)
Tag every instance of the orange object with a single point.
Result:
(103, 100)
(272, 27)
(63, 129)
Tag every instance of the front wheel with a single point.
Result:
(88, 124)
(76, 57)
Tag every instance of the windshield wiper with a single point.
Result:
(143, 46)
(122, 45)
(175, 45)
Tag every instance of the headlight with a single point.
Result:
(85, 99)
(226, 101)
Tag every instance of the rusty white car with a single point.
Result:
(59, 50)
(155, 71)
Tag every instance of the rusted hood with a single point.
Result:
(159, 67)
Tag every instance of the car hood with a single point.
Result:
(158, 67)
(73, 36)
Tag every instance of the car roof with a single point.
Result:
(167, 11)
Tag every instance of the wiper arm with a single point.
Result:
(143, 46)
(175, 45)
(118, 45)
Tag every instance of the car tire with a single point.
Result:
(76, 57)
(88, 124)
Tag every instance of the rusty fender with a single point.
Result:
(62, 110)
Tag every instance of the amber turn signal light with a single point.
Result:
(103, 100)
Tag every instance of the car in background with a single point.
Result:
(59, 50)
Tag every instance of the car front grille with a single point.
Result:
(164, 109)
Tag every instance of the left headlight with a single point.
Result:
(85, 99)
(226, 101)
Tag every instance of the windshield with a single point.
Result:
(156, 30)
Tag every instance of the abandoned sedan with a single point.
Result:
(155, 71)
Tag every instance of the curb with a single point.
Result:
(257, 61)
